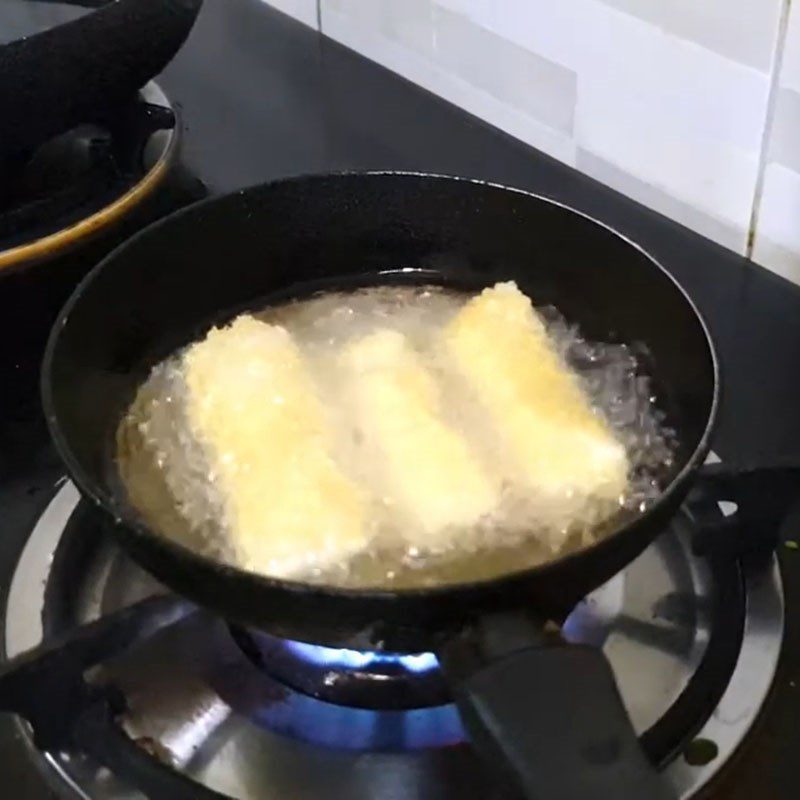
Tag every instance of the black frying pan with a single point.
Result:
(550, 713)
(79, 71)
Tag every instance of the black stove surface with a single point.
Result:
(262, 97)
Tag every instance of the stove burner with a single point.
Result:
(228, 726)
(355, 678)
(377, 680)
(331, 719)
(342, 659)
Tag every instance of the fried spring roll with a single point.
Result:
(560, 447)
(253, 406)
(424, 466)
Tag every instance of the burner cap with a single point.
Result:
(348, 677)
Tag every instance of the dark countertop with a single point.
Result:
(263, 96)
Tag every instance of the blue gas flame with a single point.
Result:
(340, 658)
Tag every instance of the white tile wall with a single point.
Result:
(669, 114)
(777, 231)
(741, 30)
(304, 10)
(691, 107)
(447, 54)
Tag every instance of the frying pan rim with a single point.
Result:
(110, 506)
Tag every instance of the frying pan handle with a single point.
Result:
(765, 497)
(552, 719)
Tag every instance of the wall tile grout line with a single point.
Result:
(772, 97)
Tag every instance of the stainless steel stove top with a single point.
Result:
(197, 702)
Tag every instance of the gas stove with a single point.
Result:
(694, 642)
(244, 715)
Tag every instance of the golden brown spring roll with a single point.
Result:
(422, 464)
(253, 406)
(561, 449)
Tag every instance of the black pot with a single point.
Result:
(81, 70)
